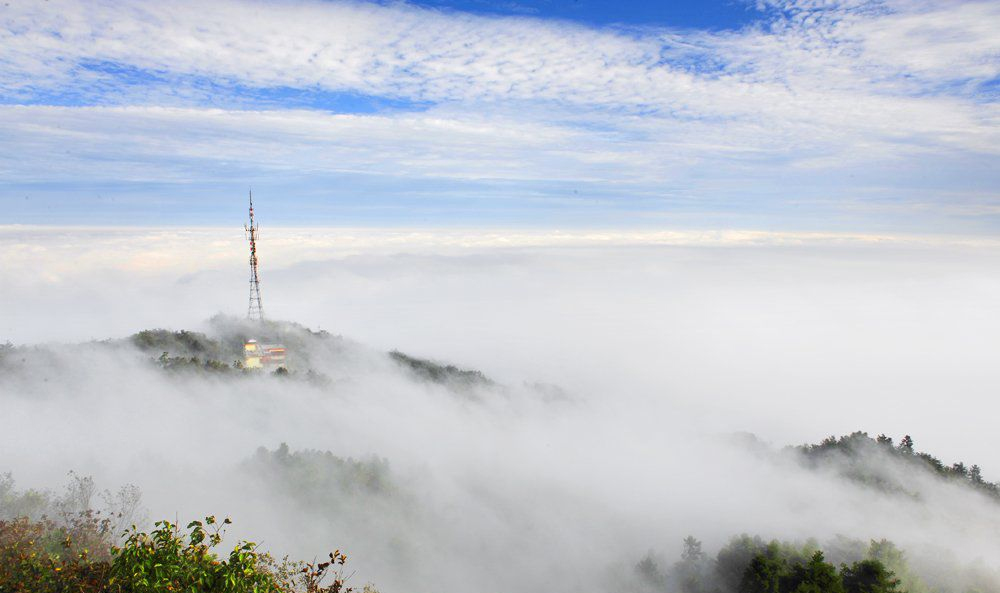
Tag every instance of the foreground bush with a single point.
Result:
(43, 557)
(168, 560)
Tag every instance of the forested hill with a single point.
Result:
(189, 350)
(844, 564)
(319, 358)
(874, 461)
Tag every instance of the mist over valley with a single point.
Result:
(543, 417)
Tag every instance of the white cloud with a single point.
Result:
(419, 54)
(663, 338)
(788, 105)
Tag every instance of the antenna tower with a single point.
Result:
(255, 312)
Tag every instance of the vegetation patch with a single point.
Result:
(180, 343)
(87, 551)
(863, 459)
(751, 565)
(320, 477)
(438, 373)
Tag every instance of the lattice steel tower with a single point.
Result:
(254, 311)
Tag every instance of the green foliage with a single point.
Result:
(855, 452)
(168, 560)
(43, 557)
(816, 576)
(437, 373)
(81, 550)
(773, 572)
(751, 565)
(894, 559)
(691, 571)
(181, 343)
(733, 559)
(320, 477)
(869, 576)
(765, 571)
(179, 364)
(46, 557)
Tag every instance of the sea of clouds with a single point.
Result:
(658, 348)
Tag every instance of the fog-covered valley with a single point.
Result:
(608, 397)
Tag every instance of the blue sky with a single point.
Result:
(842, 115)
(706, 14)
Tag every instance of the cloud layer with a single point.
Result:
(664, 341)
(828, 105)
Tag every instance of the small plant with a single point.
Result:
(167, 560)
(314, 573)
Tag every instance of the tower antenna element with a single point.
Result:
(255, 312)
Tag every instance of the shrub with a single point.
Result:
(78, 557)
(167, 560)
(43, 557)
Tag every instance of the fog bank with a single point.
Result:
(657, 351)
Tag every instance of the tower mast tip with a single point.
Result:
(255, 311)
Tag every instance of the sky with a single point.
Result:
(775, 115)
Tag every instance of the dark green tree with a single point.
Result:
(732, 560)
(906, 444)
(765, 572)
(815, 576)
(869, 576)
(975, 475)
(893, 559)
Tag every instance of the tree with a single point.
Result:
(732, 560)
(692, 550)
(975, 475)
(816, 576)
(869, 576)
(764, 573)
(649, 573)
(893, 559)
(690, 571)
(906, 445)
